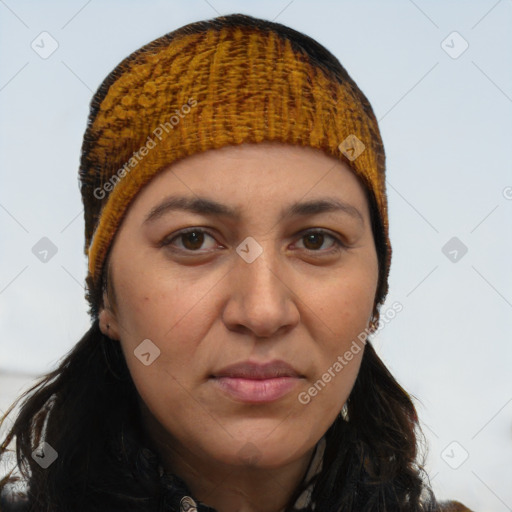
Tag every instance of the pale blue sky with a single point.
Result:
(446, 125)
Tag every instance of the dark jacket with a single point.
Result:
(179, 497)
(18, 502)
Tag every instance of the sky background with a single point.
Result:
(438, 76)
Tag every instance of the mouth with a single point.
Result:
(253, 382)
(256, 391)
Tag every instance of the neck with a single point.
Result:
(238, 489)
(225, 487)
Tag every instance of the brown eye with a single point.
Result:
(314, 240)
(191, 240)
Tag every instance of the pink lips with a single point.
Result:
(257, 383)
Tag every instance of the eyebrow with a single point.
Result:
(209, 207)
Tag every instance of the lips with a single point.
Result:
(257, 383)
(258, 371)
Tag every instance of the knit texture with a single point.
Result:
(205, 88)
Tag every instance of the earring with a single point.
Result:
(108, 327)
(374, 323)
(344, 412)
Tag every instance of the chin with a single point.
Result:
(263, 453)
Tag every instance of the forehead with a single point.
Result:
(254, 177)
(289, 168)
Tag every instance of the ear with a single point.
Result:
(108, 321)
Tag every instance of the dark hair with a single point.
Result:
(106, 462)
(88, 410)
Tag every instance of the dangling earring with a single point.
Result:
(344, 413)
(374, 323)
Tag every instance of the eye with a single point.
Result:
(191, 240)
(315, 239)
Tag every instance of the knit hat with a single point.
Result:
(209, 84)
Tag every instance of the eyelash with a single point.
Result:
(338, 244)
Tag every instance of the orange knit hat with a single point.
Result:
(213, 83)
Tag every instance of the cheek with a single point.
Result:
(175, 314)
(340, 309)
(175, 322)
(160, 304)
(343, 304)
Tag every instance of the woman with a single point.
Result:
(233, 182)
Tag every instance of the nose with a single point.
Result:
(261, 300)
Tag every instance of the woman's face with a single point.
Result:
(244, 254)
